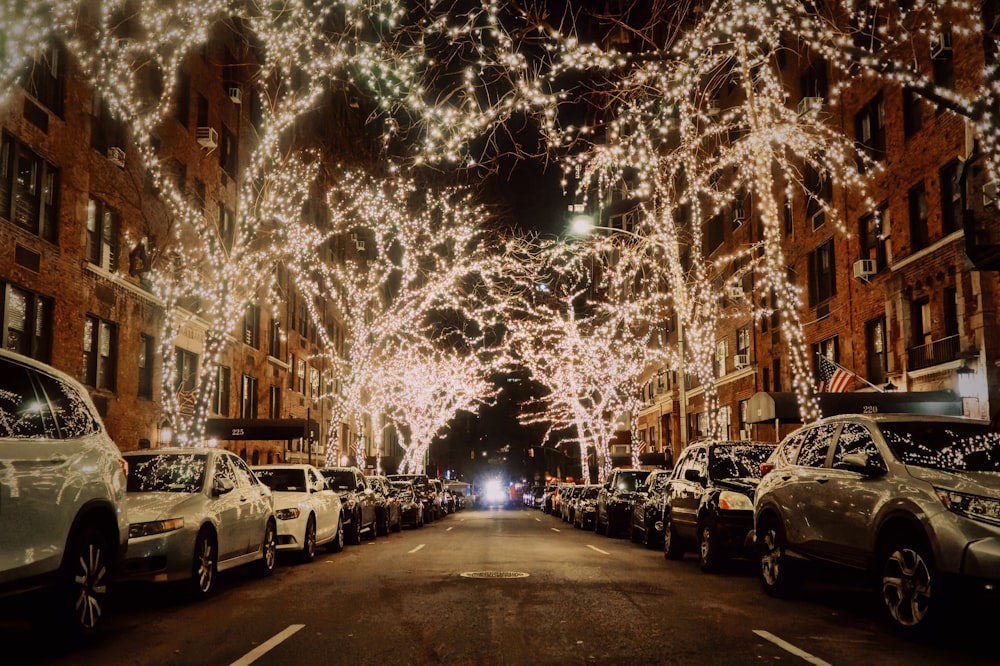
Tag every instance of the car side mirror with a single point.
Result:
(222, 485)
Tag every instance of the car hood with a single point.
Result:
(145, 507)
(285, 500)
(986, 484)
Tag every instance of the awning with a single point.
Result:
(767, 406)
(261, 429)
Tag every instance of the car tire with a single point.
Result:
(908, 588)
(383, 527)
(399, 525)
(672, 547)
(204, 564)
(709, 557)
(84, 578)
(775, 575)
(269, 550)
(309, 541)
(647, 540)
(354, 535)
(337, 544)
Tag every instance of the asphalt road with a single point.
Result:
(494, 587)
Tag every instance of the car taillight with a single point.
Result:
(765, 467)
(124, 465)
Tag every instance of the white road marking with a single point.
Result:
(538, 520)
(788, 647)
(265, 647)
(450, 528)
(555, 529)
(603, 552)
(417, 548)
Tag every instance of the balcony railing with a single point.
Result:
(932, 353)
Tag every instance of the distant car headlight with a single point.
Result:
(287, 514)
(136, 530)
(730, 500)
(976, 507)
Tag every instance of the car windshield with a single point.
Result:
(591, 492)
(288, 480)
(339, 479)
(166, 472)
(630, 481)
(964, 447)
(738, 461)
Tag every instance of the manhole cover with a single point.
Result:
(494, 574)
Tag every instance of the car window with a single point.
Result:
(316, 479)
(738, 461)
(944, 445)
(242, 473)
(789, 448)
(685, 463)
(224, 470)
(856, 438)
(23, 413)
(73, 417)
(816, 445)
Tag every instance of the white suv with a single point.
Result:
(62, 484)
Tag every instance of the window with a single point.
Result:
(920, 322)
(830, 348)
(819, 193)
(251, 326)
(743, 340)
(145, 366)
(941, 58)
(99, 351)
(28, 189)
(313, 382)
(919, 232)
(102, 235)
(45, 78)
(182, 112)
(27, 323)
(714, 234)
(274, 339)
(186, 368)
(220, 401)
(227, 226)
(952, 197)
(822, 277)
(875, 347)
(227, 152)
(201, 110)
(950, 311)
(873, 233)
(913, 112)
(106, 130)
(274, 402)
(300, 375)
(776, 374)
(248, 398)
(813, 82)
(721, 352)
(869, 128)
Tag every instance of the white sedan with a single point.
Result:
(308, 512)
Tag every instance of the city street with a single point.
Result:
(509, 586)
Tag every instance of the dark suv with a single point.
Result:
(912, 500)
(616, 500)
(647, 512)
(357, 501)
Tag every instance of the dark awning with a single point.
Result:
(261, 429)
(767, 406)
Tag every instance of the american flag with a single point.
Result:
(833, 378)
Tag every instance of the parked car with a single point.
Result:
(386, 505)
(357, 501)
(708, 500)
(63, 523)
(567, 505)
(308, 513)
(411, 507)
(914, 500)
(616, 499)
(646, 525)
(585, 512)
(194, 513)
(425, 493)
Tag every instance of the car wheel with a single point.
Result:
(337, 544)
(309, 541)
(708, 553)
(399, 524)
(383, 527)
(647, 540)
(355, 533)
(85, 576)
(775, 577)
(203, 565)
(672, 547)
(268, 549)
(909, 599)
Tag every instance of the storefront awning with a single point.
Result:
(261, 429)
(783, 406)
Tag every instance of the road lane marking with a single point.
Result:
(417, 548)
(788, 647)
(450, 528)
(555, 529)
(265, 647)
(603, 552)
(538, 520)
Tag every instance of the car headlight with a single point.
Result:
(986, 509)
(730, 500)
(287, 514)
(136, 530)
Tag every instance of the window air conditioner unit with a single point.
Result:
(807, 104)
(741, 360)
(207, 137)
(116, 156)
(236, 94)
(991, 192)
(863, 268)
(746, 434)
(354, 237)
(360, 245)
(941, 45)
(735, 292)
